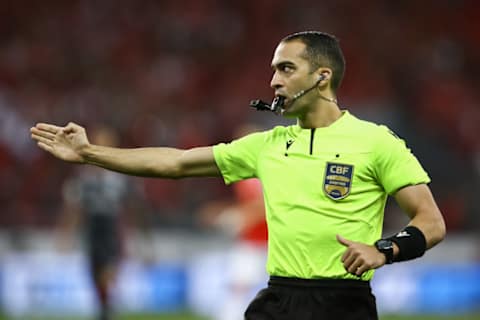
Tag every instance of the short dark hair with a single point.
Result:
(322, 49)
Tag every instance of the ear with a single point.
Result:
(323, 74)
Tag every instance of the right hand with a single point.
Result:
(65, 143)
(360, 257)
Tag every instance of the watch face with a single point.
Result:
(384, 244)
(386, 247)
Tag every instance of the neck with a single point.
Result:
(322, 115)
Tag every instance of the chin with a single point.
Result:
(289, 113)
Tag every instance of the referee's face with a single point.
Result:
(291, 75)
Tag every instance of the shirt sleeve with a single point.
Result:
(237, 160)
(395, 166)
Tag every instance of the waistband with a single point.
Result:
(318, 283)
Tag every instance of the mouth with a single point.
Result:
(286, 103)
(279, 102)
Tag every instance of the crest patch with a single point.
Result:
(338, 180)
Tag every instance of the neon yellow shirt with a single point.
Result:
(318, 183)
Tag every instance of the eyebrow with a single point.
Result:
(282, 63)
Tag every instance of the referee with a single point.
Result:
(325, 181)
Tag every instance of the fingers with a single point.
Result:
(354, 258)
(362, 269)
(344, 241)
(58, 141)
(356, 265)
(49, 131)
(351, 262)
(71, 127)
(35, 132)
(48, 127)
(44, 135)
(347, 255)
(42, 139)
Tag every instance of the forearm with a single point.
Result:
(71, 144)
(154, 162)
(147, 162)
(432, 226)
(418, 203)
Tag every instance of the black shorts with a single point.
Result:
(302, 299)
(103, 241)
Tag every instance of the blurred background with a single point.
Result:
(181, 74)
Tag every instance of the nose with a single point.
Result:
(276, 81)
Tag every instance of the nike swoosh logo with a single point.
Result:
(402, 234)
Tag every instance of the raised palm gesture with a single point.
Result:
(65, 143)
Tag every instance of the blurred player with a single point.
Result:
(243, 220)
(325, 181)
(96, 198)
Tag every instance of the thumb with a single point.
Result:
(71, 127)
(344, 241)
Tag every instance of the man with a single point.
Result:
(325, 182)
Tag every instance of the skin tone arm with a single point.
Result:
(418, 203)
(70, 143)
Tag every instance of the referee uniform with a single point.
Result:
(318, 183)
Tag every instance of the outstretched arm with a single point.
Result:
(70, 143)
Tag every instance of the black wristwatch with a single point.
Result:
(385, 246)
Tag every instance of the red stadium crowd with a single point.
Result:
(181, 73)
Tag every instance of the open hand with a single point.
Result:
(65, 143)
(360, 257)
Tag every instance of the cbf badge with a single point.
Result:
(338, 180)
